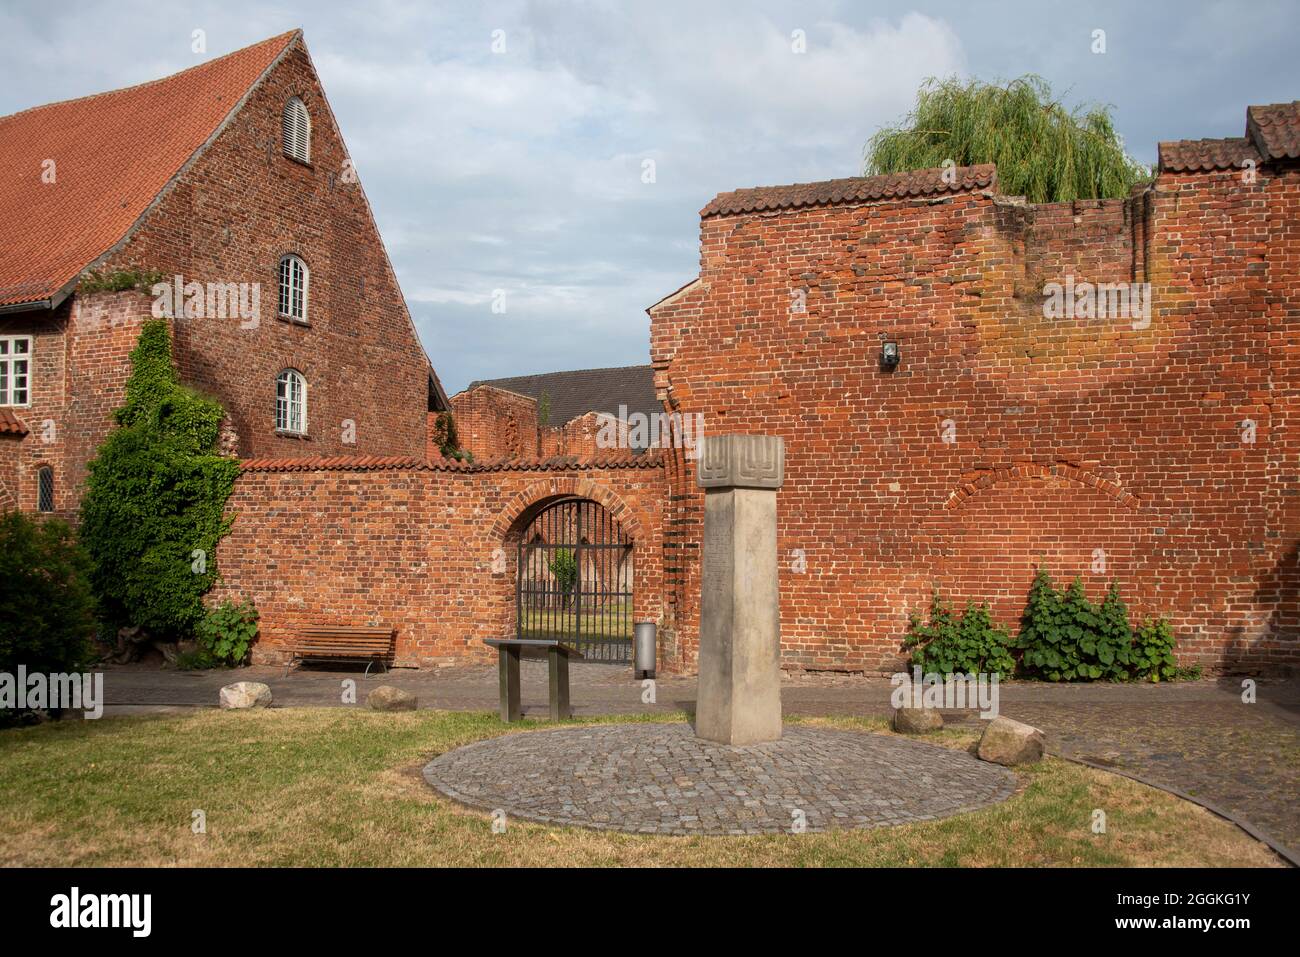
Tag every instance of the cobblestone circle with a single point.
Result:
(661, 779)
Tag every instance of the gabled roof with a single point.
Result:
(113, 154)
(1272, 133)
(857, 189)
(586, 390)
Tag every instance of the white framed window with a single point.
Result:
(294, 279)
(291, 402)
(295, 127)
(15, 370)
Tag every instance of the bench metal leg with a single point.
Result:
(508, 675)
(558, 672)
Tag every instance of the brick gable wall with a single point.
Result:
(230, 218)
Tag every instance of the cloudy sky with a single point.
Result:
(522, 169)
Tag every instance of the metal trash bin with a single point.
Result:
(644, 642)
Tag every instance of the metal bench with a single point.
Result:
(557, 655)
(336, 642)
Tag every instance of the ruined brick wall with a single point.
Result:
(494, 423)
(1106, 448)
(431, 551)
(230, 218)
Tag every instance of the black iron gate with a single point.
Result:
(574, 580)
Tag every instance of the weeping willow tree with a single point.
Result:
(1042, 150)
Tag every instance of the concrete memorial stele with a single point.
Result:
(740, 619)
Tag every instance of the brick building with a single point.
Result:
(233, 176)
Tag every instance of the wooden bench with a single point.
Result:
(337, 642)
(557, 655)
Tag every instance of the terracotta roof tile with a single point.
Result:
(1275, 128)
(1196, 156)
(858, 189)
(379, 463)
(113, 154)
(10, 424)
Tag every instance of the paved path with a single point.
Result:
(662, 779)
(1196, 737)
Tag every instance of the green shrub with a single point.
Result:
(971, 644)
(564, 566)
(155, 498)
(227, 631)
(1066, 637)
(1153, 653)
(47, 612)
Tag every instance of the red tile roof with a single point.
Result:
(1196, 156)
(113, 153)
(10, 424)
(858, 189)
(377, 463)
(1275, 128)
(1272, 133)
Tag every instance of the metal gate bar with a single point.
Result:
(574, 580)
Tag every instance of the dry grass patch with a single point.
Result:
(339, 787)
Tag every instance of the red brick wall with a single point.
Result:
(230, 218)
(1071, 435)
(495, 423)
(80, 362)
(431, 551)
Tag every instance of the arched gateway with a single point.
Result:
(574, 580)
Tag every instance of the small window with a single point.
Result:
(295, 126)
(45, 488)
(293, 289)
(15, 370)
(291, 402)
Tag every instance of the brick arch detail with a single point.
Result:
(988, 478)
(623, 513)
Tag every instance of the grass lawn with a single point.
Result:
(343, 787)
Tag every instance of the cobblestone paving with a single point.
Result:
(661, 779)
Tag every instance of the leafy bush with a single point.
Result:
(1153, 653)
(47, 612)
(227, 631)
(155, 498)
(970, 644)
(1066, 637)
(564, 566)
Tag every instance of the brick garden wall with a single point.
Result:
(1004, 439)
(430, 550)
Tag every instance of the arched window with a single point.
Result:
(293, 288)
(295, 126)
(45, 489)
(291, 402)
